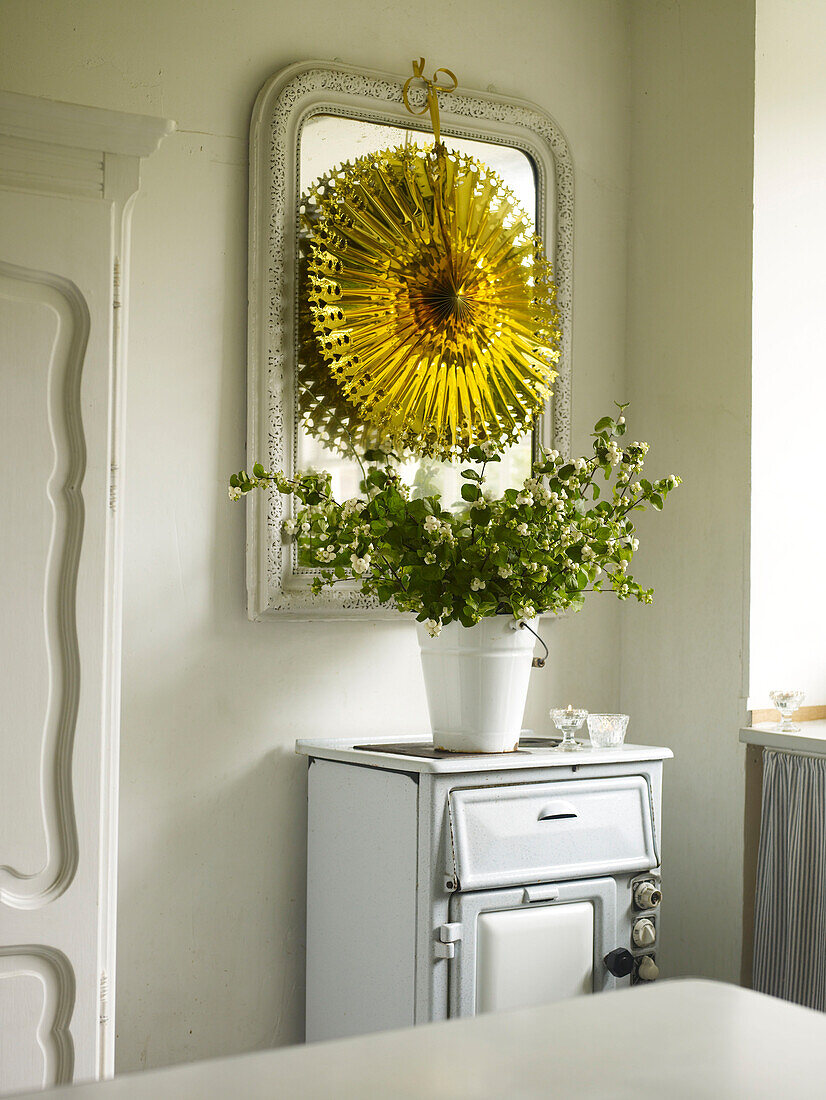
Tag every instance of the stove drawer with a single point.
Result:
(545, 832)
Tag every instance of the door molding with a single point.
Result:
(50, 152)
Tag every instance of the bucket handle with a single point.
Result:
(537, 662)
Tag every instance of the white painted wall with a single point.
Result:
(212, 799)
(689, 312)
(788, 586)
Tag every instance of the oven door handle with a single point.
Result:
(546, 892)
(557, 810)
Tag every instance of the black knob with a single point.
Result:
(619, 962)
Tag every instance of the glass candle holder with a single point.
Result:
(568, 720)
(607, 731)
(787, 702)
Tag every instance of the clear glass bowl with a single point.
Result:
(787, 702)
(607, 730)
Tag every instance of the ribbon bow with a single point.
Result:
(432, 89)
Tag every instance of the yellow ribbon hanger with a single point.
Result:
(432, 89)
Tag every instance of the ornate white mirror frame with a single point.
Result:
(275, 584)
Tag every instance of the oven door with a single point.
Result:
(530, 945)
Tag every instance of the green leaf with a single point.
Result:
(235, 481)
(657, 501)
(601, 425)
(258, 470)
(566, 471)
(472, 474)
(476, 454)
(471, 492)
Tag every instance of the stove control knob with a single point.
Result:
(647, 971)
(643, 933)
(619, 962)
(647, 895)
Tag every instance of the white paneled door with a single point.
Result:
(68, 176)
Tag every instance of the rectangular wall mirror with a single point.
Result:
(307, 120)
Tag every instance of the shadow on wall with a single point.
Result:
(204, 921)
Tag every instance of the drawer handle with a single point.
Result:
(556, 811)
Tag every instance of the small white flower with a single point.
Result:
(235, 493)
(433, 627)
(360, 565)
(613, 453)
(521, 528)
(430, 558)
(524, 498)
(288, 526)
(527, 612)
(636, 488)
(476, 584)
(305, 527)
(620, 419)
(587, 553)
(431, 525)
(553, 456)
(505, 571)
(635, 544)
(580, 464)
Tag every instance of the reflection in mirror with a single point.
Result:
(326, 437)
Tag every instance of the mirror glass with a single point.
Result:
(326, 142)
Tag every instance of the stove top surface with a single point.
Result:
(415, 753)
(424, 749)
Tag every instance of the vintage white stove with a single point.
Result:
(441, 885)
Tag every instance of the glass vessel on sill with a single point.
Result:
(568, 721)
(787, 702)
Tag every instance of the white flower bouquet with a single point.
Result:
(567, 531)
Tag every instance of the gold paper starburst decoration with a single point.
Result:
(326, 412)
(431, 300)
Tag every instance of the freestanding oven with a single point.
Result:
(442, 885)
